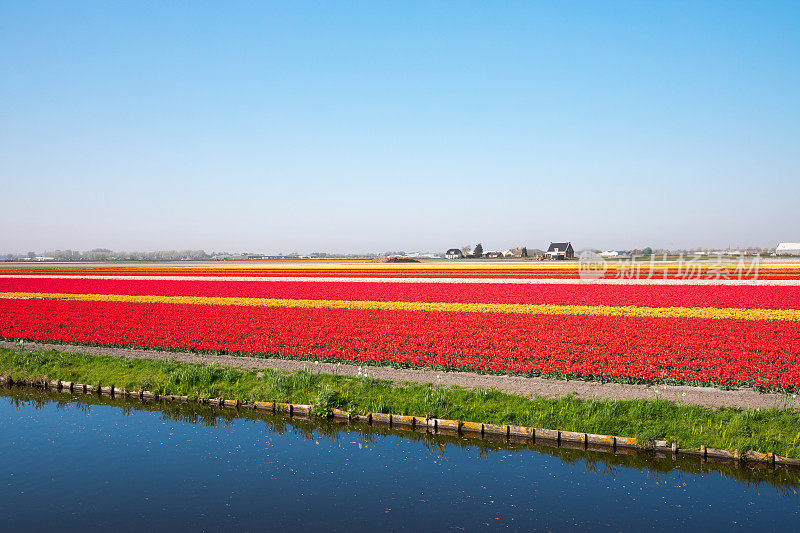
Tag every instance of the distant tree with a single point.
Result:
(466, 250)
(647, 251)
(97, 255)
(59, 255)
(478, 251)
(31, 255)
(524, 251)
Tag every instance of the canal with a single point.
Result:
(120, 464)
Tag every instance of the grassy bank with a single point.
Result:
(767, 430)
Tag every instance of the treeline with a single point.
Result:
(102, 254)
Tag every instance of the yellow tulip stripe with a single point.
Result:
(533, 309)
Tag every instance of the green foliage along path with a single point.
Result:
(766, 430)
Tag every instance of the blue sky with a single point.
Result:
(382, 126)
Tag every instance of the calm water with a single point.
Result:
(69, 462)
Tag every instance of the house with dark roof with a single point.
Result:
(453, 253)
(560, 250)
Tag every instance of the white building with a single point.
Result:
(788, 248)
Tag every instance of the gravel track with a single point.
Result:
(522, 386)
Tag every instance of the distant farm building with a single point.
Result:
(788, 248)
(493, 255)
(560, 250)
(453, 253)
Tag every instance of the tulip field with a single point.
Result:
(529, 320)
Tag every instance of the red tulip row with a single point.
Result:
(696, 351)
(752, 297)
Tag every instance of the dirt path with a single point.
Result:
(550, 388)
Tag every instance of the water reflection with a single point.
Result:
(756, 477)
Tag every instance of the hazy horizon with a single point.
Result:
(372, 127)
(486, 248)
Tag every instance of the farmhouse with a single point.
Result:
(453, 253)
(560, 250)
(788, 248)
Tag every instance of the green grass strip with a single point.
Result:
(766, 430)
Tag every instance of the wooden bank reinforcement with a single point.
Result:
(507, 433)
